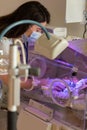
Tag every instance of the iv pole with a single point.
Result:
(14, 75)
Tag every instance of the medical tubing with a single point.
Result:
(17, 41)
(51, 94)
(23, 22)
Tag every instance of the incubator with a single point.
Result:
(58, 100)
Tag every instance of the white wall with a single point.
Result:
(56, 8)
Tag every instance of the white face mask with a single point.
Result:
(34, 36)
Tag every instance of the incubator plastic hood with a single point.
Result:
(61, 86)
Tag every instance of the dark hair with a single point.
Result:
(32, 10)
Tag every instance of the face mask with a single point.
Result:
(34, 36)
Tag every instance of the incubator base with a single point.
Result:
(40, 117)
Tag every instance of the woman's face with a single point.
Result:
(34, 28)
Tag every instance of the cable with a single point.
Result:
(85, 30)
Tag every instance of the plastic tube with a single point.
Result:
(17, 41)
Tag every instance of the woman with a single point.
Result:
(32, 10)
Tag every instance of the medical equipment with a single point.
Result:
(15, 70)
(61, 91)
(60, 32)
(63, 118)
(14, 79)
(55, 46)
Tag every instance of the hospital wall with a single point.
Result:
(56, 9)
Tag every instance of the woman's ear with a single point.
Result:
(28, 32)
